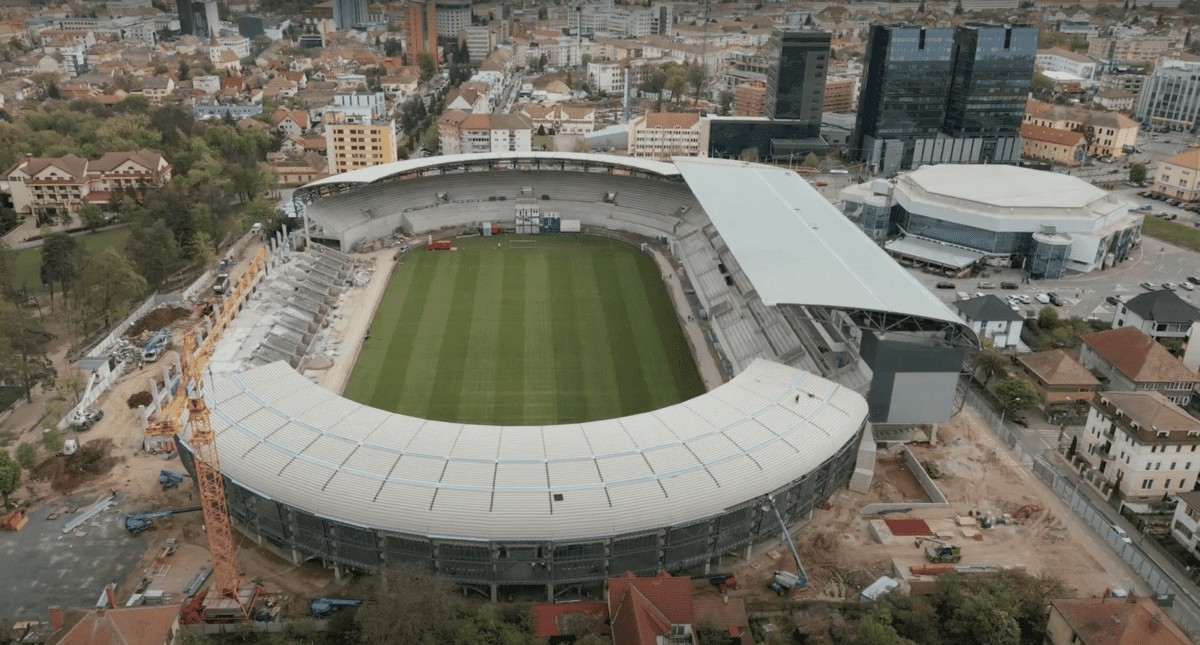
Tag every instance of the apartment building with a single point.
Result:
(1058, 59)
(1132, 46)
(460, 132)
(355, 141)
(1178, 176)
(559, 118)
(1127, 360)
(421, 31)
(1108, 133)
(1063, 385)
(1185, 523)
(480, 41)
(750, 99)
(840, 94)
(1142, 444)
(661, 135)
(64, 184)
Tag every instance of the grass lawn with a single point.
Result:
(577, 329)
(1181, 235)
(28, 262)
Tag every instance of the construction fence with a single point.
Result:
(1154, 576)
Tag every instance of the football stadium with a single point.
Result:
(818, 337)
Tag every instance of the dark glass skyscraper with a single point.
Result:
(942, 95)
(796, 78)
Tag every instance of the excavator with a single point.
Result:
(941, 551)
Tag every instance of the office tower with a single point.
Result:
(1170, 97)
(796, 78)
(212, 20)
(943, 95)
(187, 24)
(199, 19)
(348, 14)
(452, 16)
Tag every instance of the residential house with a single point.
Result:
(64, 184)
(150, 625)
(402, 85)
(1052, 145)
(1058, 59)
(663, 609)
(290, 122)
(662, 135)
(353, 141)
(300, 170)
(1185, 524)
(1063, 385)
(157, 88)
(210, 85)
(1160, 314)
(559, 118)
(280, 88)
(1127, 360)
(1141, 444)
(468, 97)
(989, 317)
(1135, 620)
(459, 132)
(1178, 176)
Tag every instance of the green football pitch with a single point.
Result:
(575, 329)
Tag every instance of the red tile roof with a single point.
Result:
(1137, 356)
(132, 626)
(672, 119)
(1054, 136)
(1056, 367)
(642, 608)
(1117, 621)
(547, 617)
(1187, 159)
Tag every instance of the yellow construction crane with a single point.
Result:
(227, 600)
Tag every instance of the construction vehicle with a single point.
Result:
(85, 419)
(138, 522)
(170, 478)
(941, 551)
(221, 284)
(785, 581)
(439, 245)
(319, 607)
(159, 343)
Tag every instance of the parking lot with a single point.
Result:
(1084, 294)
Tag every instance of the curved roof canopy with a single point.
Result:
(286, 438)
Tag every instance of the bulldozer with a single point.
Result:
(941, 551)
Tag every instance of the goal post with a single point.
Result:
(522, 244)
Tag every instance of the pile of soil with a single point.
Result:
(157, 319)
(139, 399)
(68, 472)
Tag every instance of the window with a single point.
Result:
(1147, 484)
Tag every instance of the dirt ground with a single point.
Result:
(979, 474)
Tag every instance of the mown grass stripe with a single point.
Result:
(427, 322)
(508, 406)
(665, 320)
(479, 381)
(448, 390)
(571, 400)
(540, 387)
(630, 380)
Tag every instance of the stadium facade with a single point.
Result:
(955, 216)
(821, 334)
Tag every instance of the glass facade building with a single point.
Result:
(796, 78)
(943, 95)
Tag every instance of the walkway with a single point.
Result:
(706, 360)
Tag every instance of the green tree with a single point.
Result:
(398, 615)
(725, 103)
(60, 261)
(91, 216)
(109, 283)
(707, 633)
(154, 251)
(811, 161)
(991, 362)
(22, 349)
(487, 626)
(427, 65)
(1016, 394)
(1137, 172)
(10, 476)
(392, 47)
(1048, 318)
(27, 455)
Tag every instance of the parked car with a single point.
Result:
(1149, 286)
(945, 285)
(1170, 286)
(986, 285)
(1186, 286)
(1009, 285)
(1113, 300)
(1121, 534)
(1146, 207)
(1193, 279)
(1043, 298)
(85, 419)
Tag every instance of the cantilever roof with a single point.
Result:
(796, 247)
(383, 171)
(288, 439)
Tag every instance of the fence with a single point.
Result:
(1154, 575)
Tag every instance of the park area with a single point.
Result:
(27, 263)
(565, 330)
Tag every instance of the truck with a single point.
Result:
(221, 284)
(438, 245)
(157, 345)
(319, 607)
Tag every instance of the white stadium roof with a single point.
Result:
(1005, 186)
(796, 247)
(383, 171)
(285, 438)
